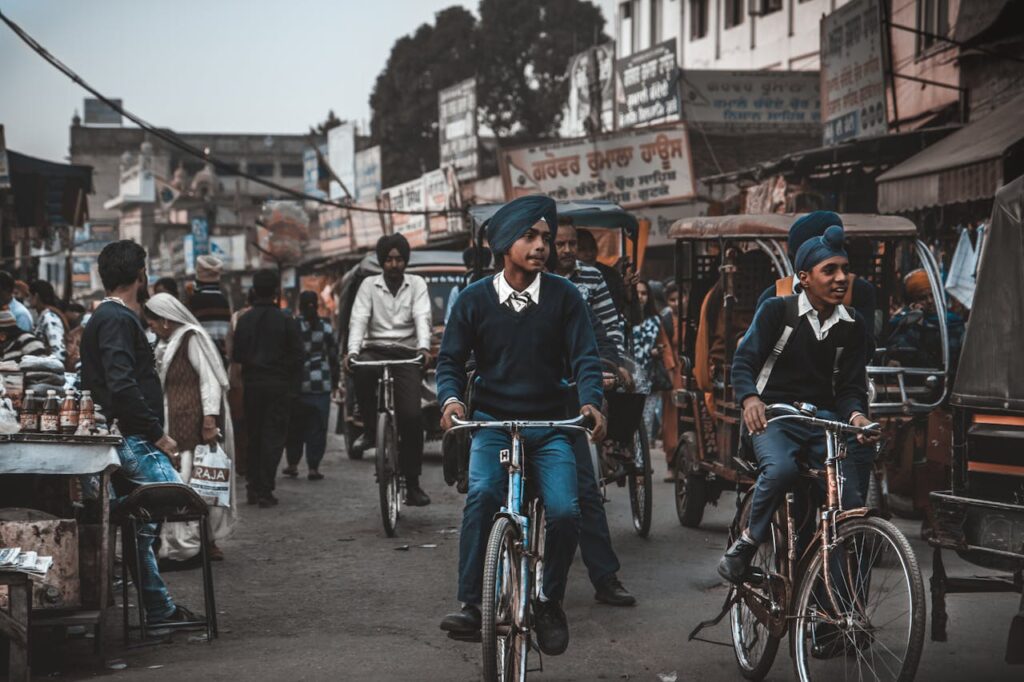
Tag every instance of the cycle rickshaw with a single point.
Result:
(722, 265)
(981, 517)
(628, 461)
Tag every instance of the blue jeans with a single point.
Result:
(550, 461)
(308, 428)
(141, 463)
(776, 450)
(595, 539)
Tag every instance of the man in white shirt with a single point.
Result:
(391, 321)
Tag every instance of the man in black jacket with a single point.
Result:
(119, 368)
(268, 346)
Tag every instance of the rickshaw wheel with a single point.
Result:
(691, 486)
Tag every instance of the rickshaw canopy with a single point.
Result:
(776, 226)
(595, 213)
(991, 371)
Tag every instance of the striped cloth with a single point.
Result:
(591, 285)
(213, 310)
(19, 344)
(50, 328)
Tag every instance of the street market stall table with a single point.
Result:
(55, 487)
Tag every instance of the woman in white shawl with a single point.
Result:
(195, 410)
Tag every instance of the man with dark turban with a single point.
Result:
(913, 338)
(391, 320)
(523, 326)
(804, 348)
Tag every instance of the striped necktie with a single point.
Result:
(518, 302)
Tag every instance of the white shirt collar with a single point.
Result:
(805, 309)
(378, 281)
(505, 289)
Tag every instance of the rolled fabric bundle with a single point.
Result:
(41, 363)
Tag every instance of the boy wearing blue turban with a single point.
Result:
(803, 348)
(523, 326)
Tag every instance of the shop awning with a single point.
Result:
(966, 166)
(46, 193)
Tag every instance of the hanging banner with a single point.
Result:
(368, 174)
(752, 98)
(200, 236)
(441, 193)
(630, 167)
(648, 86)
(341, 155)
(457, 129)
(852, 73)
(408, 196)
(311, 171)
(591, 82)
(335, 230)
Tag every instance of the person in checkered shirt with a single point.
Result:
(320, 369)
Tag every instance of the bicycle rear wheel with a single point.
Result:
(503, 645)
(388, 483)
(753, 644)
(872, 625)
(640, 484)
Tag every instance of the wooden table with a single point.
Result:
(32, 455)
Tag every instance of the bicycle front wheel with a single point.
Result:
(388, 483)
(867, 622)
(503, 644)
(640, 484)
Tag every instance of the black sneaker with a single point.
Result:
(268, 500)
(364, 442)
(179, 615)
(466, 621)
(612, 592)
(415, 497)
(552, 627)
(733, 566)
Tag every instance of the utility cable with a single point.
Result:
(172, 138)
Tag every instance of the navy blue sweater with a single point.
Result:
(804, 370)
(520, 357)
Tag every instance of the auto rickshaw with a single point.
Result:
(723, 264)
(443, 271)
(627, 459)
(981, 517)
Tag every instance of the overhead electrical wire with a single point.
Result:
(172, 138)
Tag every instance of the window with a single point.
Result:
(766, 6)
(932, 19)
(733, 13)
(626, 29)
(291, 170)
(265, 170)
(655, 22)
(698, 19)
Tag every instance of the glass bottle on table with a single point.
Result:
(69, 414)
(49, 420)
(28, 418)
(86, 414)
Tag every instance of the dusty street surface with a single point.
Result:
(313, 590)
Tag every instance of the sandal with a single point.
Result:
(290, 472)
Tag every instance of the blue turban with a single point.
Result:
(817, 249)
(809, 226)
(516, 217)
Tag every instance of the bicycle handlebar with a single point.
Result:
(580, 423)
(382, 363)
(805, 414)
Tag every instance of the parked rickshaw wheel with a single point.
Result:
(691, 485)
(640, 484)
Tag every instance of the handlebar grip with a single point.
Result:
(588, 422)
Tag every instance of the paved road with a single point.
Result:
(313, 590)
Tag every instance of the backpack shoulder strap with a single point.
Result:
(791, 321)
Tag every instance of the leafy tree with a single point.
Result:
(404, 99)
(525, 49)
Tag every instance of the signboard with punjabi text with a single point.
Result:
(629, 167)
(591, 80)
(753, 99)
(457, 129)
(647, 86)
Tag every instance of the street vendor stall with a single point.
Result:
(55, 491)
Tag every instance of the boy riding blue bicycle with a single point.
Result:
(523, 327)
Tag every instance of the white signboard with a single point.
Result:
(311, 171)
(591, 77)
(852, 73)
(752, 98)
(630, 167)
(441, 193)
(341, 155)
(648, 86)
(368, 174)
(409, 196)
(458, 129)
(231, 249)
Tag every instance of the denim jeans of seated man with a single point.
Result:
(778, 473)
(595, 538)
(552, 465)
(141, 463)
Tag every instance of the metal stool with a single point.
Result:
(164, 503)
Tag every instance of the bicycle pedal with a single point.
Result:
(469, 637)
(755, 576)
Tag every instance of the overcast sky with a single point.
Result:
(251, 66)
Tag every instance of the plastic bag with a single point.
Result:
(9, 422)
(211, 475)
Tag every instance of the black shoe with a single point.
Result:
(466, 621)
(268, 500)
(415, 497)
(315, 476)
(290, 472)
(179, 615)
(733, 566)
(364, 442)
(552, 627)
(610, 591)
